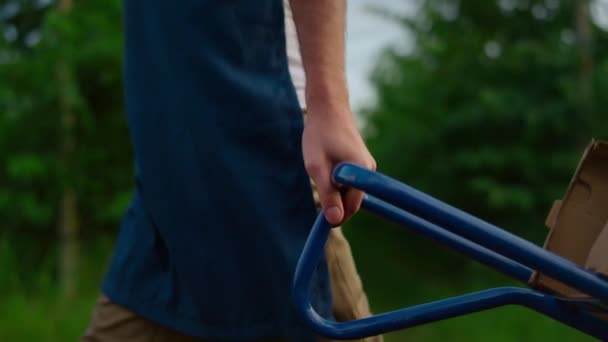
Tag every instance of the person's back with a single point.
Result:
(223, 203)
(217, 133)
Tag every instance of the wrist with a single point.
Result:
(327, 100)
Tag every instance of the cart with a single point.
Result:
(469, 235)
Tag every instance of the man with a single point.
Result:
(222, 206)
(349, 299)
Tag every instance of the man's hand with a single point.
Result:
(330, 134)
(330, 139)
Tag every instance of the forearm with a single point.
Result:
(320, 25)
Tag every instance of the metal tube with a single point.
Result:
(472, 228)
(429, 312)
(449, 239)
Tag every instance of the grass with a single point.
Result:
(394, 277)
(38, 318)
(33, 309)
(52, 319)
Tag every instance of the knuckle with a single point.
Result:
(332, 199)
(313, 168)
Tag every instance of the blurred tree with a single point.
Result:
(21, 20)
(63, 134)
(492, 107)
(68, 213)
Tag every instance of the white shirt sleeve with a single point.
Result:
(294, 58)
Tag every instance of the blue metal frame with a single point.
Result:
(466, 234)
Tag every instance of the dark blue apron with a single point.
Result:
(222, 204)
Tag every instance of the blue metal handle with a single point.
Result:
(472, 228)
(468, 235)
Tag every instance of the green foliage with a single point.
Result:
(83, 46)
(57, 62)
(486, 112)
(33, 310)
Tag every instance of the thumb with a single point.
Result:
(331, 202)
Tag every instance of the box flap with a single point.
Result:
(598, 257)
(552, 217)
(581, 216)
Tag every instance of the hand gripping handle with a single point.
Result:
(467, 234)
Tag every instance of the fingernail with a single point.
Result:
(333, 215)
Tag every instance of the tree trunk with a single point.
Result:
(68, 215)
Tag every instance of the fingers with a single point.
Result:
(372, 164)
(332, 208)
(338, 206)
(331, 201)
(352, 199)
(329, 195)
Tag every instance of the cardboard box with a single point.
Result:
(579, 222)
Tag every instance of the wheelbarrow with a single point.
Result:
(469, 235)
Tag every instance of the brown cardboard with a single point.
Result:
(552, 217)
(597, 260)
(581, 217)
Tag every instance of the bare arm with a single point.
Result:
(330, 135)
(321, 25)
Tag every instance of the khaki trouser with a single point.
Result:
(114, 323)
